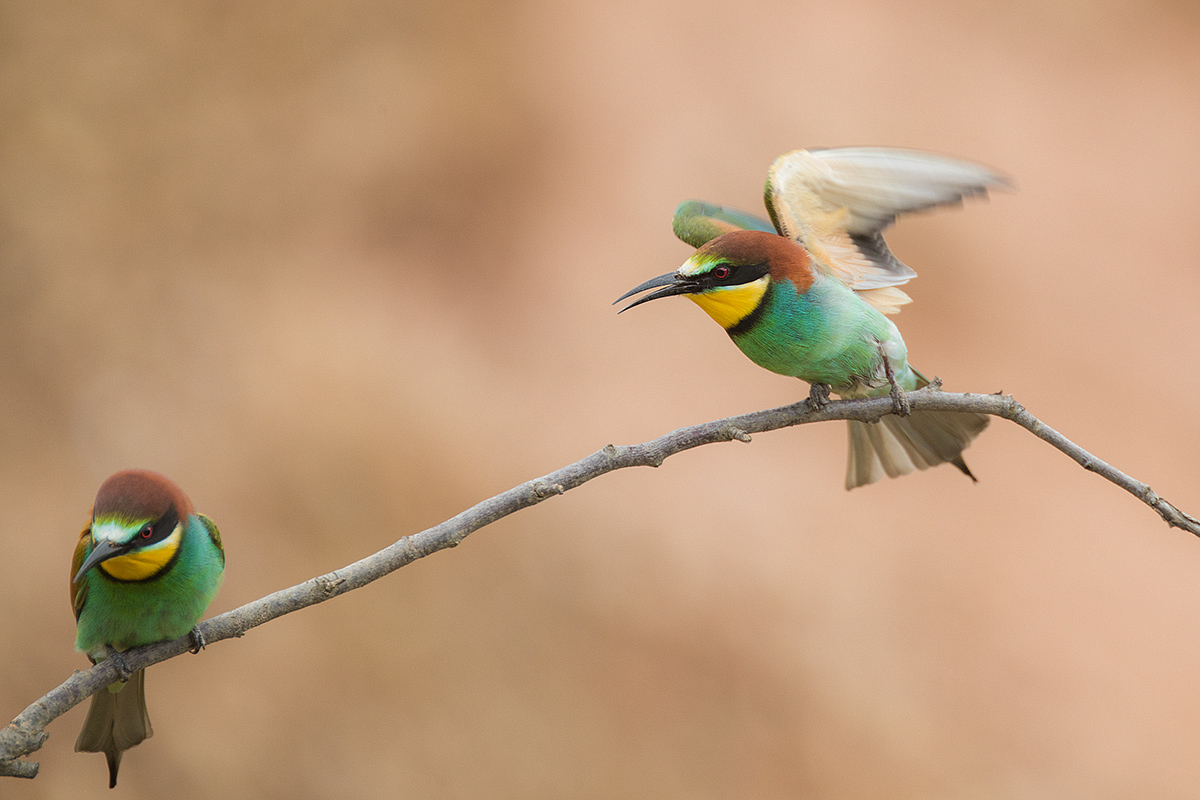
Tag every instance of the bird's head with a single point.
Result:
(729, 276)
(137, 526)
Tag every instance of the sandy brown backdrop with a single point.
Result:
(344, 269)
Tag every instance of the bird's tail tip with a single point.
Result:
(896, 446)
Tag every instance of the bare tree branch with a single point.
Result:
(26, 733)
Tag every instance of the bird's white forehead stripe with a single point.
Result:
(113, 532)
(690, 267)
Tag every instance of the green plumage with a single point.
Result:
(825, 335)
(697, 222)
(125, 614)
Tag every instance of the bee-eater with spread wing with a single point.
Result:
(805, 295)
(145, 569)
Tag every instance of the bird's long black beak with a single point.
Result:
(103, 551)
(672, 282)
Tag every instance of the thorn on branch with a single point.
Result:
(329, 586)
(1151, 498)
(737, 434)
(19, 769)
(542, 489)
(27, 740)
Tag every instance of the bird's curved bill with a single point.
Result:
(673, 283)
(103, 551)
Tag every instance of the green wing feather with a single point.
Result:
(79, 590)
(213, 534)
(697, 222)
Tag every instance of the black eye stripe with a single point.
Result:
(160, 529)
(725, 274)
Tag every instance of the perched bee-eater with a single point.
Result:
(805, 295)
(145, 568)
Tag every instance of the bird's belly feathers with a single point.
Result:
(827, 335)
(130, 615)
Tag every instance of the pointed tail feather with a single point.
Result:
(116, 721)
(898, 445)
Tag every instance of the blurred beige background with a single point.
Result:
(344, 269)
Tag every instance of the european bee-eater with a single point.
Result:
(805, 295)
(145, 568)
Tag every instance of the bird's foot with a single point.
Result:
(901, 407)
(118, 660)
(818, 396)
(198, 642)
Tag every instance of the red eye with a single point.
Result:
(721, 273)
(147, 532)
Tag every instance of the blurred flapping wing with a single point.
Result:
(837, 202)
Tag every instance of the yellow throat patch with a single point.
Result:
(729, 305)
(142, 564)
